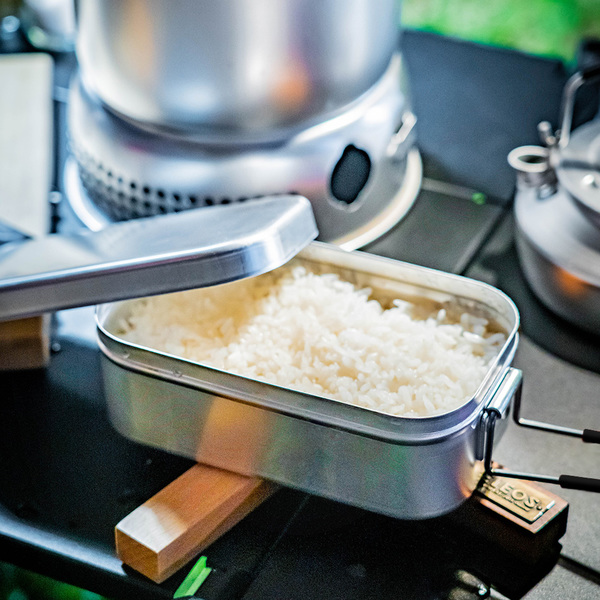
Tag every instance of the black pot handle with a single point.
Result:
(572, 482)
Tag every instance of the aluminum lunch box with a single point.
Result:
(406, 467)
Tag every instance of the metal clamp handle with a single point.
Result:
(496, 408)
(590, 436)
(512, 386)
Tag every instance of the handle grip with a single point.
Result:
(573, 482)
(591, 436)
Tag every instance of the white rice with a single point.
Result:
(321, 335)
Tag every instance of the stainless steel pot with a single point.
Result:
(233, 66)
(405, 467)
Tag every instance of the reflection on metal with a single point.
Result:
(559, 251)
(126, 172)
(405, 467)
(151, 256)
(532, 164)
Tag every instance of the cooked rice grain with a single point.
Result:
(321, 335)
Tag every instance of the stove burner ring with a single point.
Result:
(360, 168)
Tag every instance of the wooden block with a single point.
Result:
(172, 527)
(521, 517)
(25, 343)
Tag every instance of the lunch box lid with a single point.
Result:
(154, 255)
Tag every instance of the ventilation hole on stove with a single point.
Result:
(133, 185)
(193, 199)
(176, 197)
(146, 190)
(208, 201)
(225, 201)
(350, 174)
(160, 193)
(162, 209)
(109, 174)
(147, 205)
(242, 199)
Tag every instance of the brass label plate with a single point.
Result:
(516, 496)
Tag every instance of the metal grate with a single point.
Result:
(123, 198)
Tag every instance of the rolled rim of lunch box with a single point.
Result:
(412, 430)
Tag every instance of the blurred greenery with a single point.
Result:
(550, 28)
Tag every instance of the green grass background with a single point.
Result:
(552, 28)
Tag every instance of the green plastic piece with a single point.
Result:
(195, 578)
(478, 198)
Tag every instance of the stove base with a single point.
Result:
(359, 168)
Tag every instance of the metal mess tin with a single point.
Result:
(406, 467)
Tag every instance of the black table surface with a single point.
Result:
(67, 477)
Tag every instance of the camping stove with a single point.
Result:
(358, 165)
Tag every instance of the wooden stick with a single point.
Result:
(172, 527)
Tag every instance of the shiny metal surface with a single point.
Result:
(559, 250)
(533, 168)
(233, 67)
(127, 172)
(405, 467)
(151, 256)
(572, 157)
(578, 170)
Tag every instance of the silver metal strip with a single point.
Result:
(150, 256)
